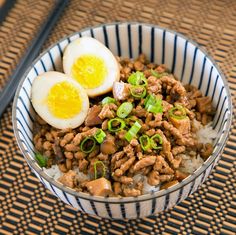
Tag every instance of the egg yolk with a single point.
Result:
(64, 100)
(89, 70)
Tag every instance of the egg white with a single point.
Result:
(40, 90)
(91, 46)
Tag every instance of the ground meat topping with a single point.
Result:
(181, 175)
(68, 179)
(80, 136)
(117, 188)
(206, 151)
(154, 85)
(124, 167)
(123, 179)
(67, 139)
(129, 150)
(154, 178)
(117, 156)
(131, 192)
(162, 166)
(173, 87)
(107, 111)
(139, 111)
(58, 152)
(178, 149)
(204, 104)
(183, 140)
(144, 162)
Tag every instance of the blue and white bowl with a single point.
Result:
(190, 63)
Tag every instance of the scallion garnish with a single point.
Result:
(156, 74)
(137, 78)
(100, 136)
(153, 105)
(180, 109)
(88, 144)
(95, 169)
(116, 124)
(150, 99)
(145, 142)
(157, 108)
(124, 110)
(138, 91)
(156, 141)
(42, 160)
(108, 100)
(132, 132)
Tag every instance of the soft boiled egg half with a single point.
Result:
(92, 65)
(59, 100)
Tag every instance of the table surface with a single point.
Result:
(26, 207)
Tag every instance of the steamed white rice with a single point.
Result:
(147, 188)
(81, 176)
(53, 171)
(190, 164)
(205, 134)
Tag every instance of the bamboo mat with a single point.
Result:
(26, 207)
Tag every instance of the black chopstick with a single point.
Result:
(7, 5)
(9, 90)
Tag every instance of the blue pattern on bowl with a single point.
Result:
(184, 58)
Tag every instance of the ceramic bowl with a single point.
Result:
(190, 63)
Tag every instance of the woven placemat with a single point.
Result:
(26, 207)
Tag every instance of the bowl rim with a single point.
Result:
(145, 197)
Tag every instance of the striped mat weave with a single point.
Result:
(26, 207)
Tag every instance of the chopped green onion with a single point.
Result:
(150, 99)
(124, 110)
(145, 142)
(156, 144)
(153, 105)
(108, 100)
(100, 136)
(154, 109)
(95, 169)
(138, 91)
(164, 74)
(42, 160)
(88, 144)
(157, 108)
(132, 132)
(130, 120)
(155, 73)
(116, 124)
(137, 78)
(179, 108)
(158, 75)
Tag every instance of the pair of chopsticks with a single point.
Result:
(5, 6)
(9, 90)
